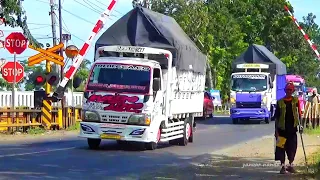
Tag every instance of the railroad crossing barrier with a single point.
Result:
(29, 117)
(311, 116)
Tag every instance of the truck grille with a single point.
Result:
(248, 104)
(114, 118)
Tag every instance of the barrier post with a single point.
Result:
(60, 122)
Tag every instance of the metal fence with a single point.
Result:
(25, 99)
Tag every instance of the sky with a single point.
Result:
(79, 17)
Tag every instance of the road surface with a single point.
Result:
(71, 159)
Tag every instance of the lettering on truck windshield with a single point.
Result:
(249, 82)
(120, 78)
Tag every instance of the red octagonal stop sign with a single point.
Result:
(8, 72)
(16, 42)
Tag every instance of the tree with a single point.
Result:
(11, 8)
(83, 74)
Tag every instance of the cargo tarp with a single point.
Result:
(144, 27)
(261, 55)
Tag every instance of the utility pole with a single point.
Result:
(53, 26)
(61, 54)
(146, 4)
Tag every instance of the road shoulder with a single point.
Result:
(252, 159)
(28, 138)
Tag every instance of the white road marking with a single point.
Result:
(37, 152)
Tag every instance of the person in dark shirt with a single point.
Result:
(286, 125)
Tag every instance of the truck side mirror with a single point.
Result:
(76, 82)
(86, 95)
(271, 85)
(156, 84)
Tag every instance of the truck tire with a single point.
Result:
(187, 131)
(191, 138)
(154, 145)
(235, 121)
(93, 143)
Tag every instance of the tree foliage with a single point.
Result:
(14, 16)
(223, 29)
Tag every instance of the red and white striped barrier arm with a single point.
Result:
(313, 46)
(84, 50)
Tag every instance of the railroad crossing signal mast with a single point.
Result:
(58, 94)
(49, 78)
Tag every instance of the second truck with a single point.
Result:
(257, 82)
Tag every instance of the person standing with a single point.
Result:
(287, 117)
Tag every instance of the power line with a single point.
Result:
(78, 16)
(92, 9)
(42, 1)
(103, 4)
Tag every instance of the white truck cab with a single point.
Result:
(134, 99)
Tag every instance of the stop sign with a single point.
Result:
(16, 42)
(8, 72)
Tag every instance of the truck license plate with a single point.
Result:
(110, 136)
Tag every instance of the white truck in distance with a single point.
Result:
(134, 99)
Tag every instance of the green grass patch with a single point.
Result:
(310, 131)
(314, 164)
(74, 127)
(36, 130)
(221, 112)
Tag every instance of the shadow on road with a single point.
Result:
(223, 167)
(219, 120)
(81, 163)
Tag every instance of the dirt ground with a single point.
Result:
(49, 135)
(252, 160)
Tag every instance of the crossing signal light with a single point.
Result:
(52, 78)
(39, 79)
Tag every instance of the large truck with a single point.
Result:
(144, 94)
(300, 89)
(257, 82)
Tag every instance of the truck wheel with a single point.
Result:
(235, 121)
(192, 129)
(94, 143)
(187, 130)
(154, 145)
(122, 143)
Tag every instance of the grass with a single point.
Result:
(74, 127)
(314, 159)
(314, 164)
(36, 130)
(221, 112)
(311, 131)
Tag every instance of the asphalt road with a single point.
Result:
(71, 159)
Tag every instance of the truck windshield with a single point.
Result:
(249, 82)
(120, 78)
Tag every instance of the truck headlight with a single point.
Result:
(139, 119)
(91, 116)
(264, 101)
(232, 100)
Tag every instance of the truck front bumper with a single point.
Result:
(117, 132)
(250, 113)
